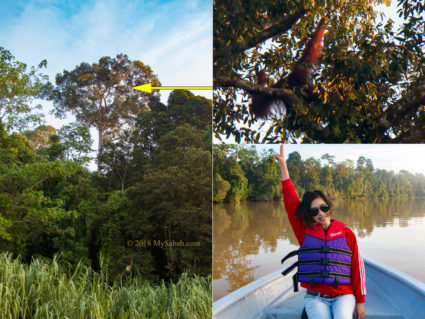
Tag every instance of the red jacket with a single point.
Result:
(358, 276)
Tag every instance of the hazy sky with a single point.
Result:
(173, 37)
(396, 157)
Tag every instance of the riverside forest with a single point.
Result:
(241, 173)
(77, 242)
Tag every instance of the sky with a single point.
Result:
(173, 37)
(393, 157)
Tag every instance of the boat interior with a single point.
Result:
(391, 294)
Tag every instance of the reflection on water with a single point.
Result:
(249, 239)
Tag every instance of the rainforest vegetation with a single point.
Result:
(241, 173)
(140, 219)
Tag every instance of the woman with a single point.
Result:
(330, 266)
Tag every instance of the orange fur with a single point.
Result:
(299, 78)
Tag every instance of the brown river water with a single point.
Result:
(249, 239)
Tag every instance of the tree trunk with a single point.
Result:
(99, 129)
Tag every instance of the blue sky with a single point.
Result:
(393, 157)
(173, 37)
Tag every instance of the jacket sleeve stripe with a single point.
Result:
(362, 274)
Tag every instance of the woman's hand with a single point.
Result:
(280, 157)
(359, 311)
(282, 163)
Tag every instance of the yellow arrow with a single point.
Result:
(148, 88)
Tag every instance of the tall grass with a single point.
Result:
(44, 289)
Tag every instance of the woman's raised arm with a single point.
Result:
(282, 163)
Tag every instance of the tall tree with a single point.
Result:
(101, 95)
(329, 158)
(18, 87)
(117, 157)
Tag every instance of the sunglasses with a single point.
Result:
(315, 210)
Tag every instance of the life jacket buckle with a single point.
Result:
(325, 249)
(324, 273)
(325, 261)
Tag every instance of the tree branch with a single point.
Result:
(413, 136)
(269, 31)
(20, 221)
(40, 181)
(287, 96)
(411, 101)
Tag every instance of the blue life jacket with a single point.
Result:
(324, 257)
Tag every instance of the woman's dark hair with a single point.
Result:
(303, 210)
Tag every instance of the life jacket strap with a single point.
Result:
(336, 282)
(325, 249)
(320, 249)
(325, 262)
(295, 282)
(323, 273)
(311, 274)
(289, 269)
(291, 254)
(312, 284)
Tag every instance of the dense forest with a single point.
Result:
(144, 212)
(240, 173)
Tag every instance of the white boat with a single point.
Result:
(391, 294)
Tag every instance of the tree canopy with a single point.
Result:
(19, 86)
(153, 186)
(369, 83)
(100, 95)
(240, 173)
